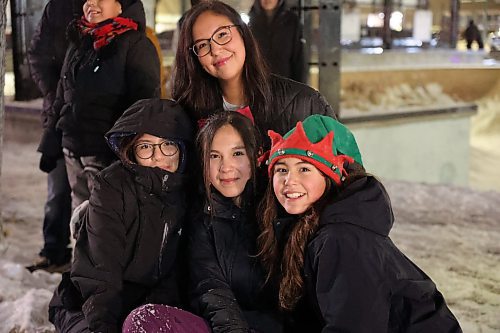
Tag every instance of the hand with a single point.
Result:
(48, 163)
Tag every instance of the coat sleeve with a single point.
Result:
(305, 103)
(210, 294)
(98, 264)
(351, 293)
(319, 105)
(142, 70)
(41, 54)
(50, 143)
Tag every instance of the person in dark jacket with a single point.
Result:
(46, 57)
(279, 34)
(226, 278)
(109, 65)
(325, 241)
(472, 34)
(218, 66)
(126, 251)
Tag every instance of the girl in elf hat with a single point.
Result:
(325, 241)
(226, 279)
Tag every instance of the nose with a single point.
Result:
(226, 165)
(157, 154)
(214, 47)
(290, 178)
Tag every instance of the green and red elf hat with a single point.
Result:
(319, 140)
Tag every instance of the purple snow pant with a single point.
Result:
(163, 318)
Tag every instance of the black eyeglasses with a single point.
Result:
(221, 36)
(146, 150)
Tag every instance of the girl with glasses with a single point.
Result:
(218, 65)
(127, 248)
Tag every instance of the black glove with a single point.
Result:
(223, 311)
(48, 163)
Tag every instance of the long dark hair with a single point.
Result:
(200, 92)
(288, 267)
(245, 129)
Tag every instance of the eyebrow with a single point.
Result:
(213, 33)
(300, 162)
(233, 148)
(149, 141)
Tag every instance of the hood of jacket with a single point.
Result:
(135, 11)
(364, 203)
(158, 117)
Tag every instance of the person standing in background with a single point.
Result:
(46, 57)
(109, 65)
(279, 34)
(175, 37)
(472, 34)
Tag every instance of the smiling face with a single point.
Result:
(146, 143)
(224, 62)
(97, 11)
(230, 167)
(297, 184)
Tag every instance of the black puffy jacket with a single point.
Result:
(226, 279)
(127, 248)
(291, 102)
(97, 86)
(357, 280)
(294, 102)
(280, 40)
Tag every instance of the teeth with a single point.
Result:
(294, 195)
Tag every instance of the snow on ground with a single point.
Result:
(452, 233)
(485, 140)
(24, 298)
(368, 98)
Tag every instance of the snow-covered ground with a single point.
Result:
(452, 233)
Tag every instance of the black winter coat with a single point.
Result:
(227, 281)
(280, 40)
(125, 254)
(291, 102)
(357, 280)
(97, 86)
(48, 48)
(127, 247)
